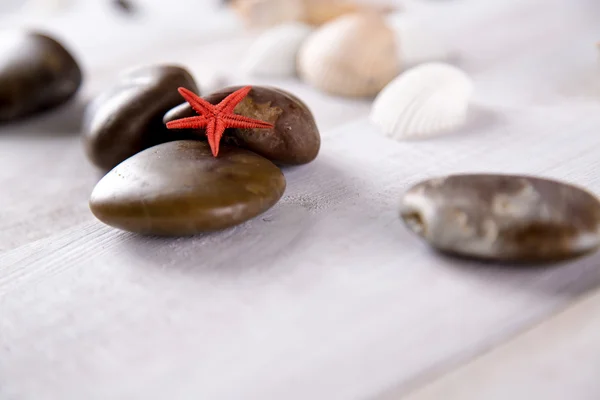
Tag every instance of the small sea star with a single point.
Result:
(216, 118)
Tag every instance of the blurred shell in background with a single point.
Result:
(318, 12)
(274, 52)
(266, 13)
(355, 55)
(426, 100)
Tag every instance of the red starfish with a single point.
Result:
(216, 118)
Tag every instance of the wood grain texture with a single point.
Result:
(556, 360)
(325, 296)
(45, 178)
(99, 304)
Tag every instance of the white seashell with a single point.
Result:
(424, 101)
(274, 52)
(354, 55)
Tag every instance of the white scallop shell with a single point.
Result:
(274, 52)
(354, 55)
(426, 100)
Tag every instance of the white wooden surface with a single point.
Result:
(326, 296)
(561, 353)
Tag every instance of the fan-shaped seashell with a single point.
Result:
(354, 56)
(274, 52)
(426, 100)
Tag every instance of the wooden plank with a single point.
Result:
(328, 285)
(559, 359)
(324, 296)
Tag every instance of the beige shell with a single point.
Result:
(268, 13)
(355, 55)
(319, 12)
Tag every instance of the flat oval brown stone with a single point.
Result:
(295, 138)
(179, 188)
(36, 73)
(504, 217)
(127, 118)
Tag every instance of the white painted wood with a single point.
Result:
(326, 296)
(559, 359)
(269, 305)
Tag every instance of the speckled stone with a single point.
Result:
(127, 118)
(294, 140)
(503, 217)
(179, 188)
(36, 73)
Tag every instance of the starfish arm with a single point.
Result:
(220, 126)
(187, 123)
(210, 135)
(239, 121)
(199, 105)
(229, 102)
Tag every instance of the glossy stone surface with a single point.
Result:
(36, 73)
(295, 138)
(127, 118)
(179, 188)
(503, 217)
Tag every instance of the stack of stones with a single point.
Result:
(161, 182)
(167, 182)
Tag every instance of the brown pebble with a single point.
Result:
(179, 189)
(295, 138)
(36, 73)
(504, 217)
(127, 118)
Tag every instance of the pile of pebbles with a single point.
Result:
(163, 182)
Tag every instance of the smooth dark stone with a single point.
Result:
(295, 138)
(36, 73)
(504, 217)
(179, 189)
(127, 118)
